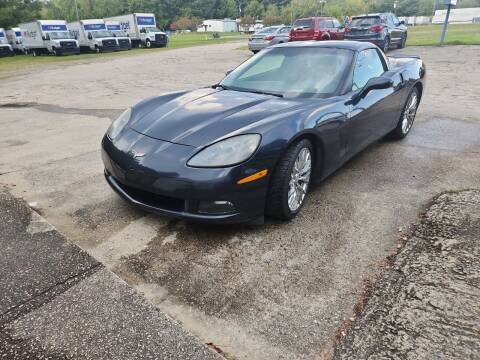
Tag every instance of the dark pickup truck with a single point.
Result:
(383, 30)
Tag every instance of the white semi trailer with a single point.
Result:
(92, 35)
(123, 39)
(14, 36)
(5, 48)
(142, 29)
(48, 37)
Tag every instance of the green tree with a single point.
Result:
(13, 12)
(255, 9)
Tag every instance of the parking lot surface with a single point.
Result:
(275, 291)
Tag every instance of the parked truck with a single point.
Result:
(48, 37)
(92, 35)
(5, 48)
(14, 37)
(123, 39)
(142, 29)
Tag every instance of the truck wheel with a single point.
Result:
(97, 49)
(54, 51)
(148, 44)
(34, 52)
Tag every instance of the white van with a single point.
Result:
(14, 37)
(142, 29)
(92, 35)
(5, 48)
(48, 37)
(123, 39)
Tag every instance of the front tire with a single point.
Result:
(148, 44)
(403, 41)
(290, 181)
(407, 118)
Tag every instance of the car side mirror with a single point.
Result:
(46, 37)
(401, 22)
(376, 83)
(90, 37)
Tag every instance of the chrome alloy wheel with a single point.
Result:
(409, 113)
(299, 179)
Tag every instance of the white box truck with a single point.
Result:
(48, 37)
(14, 36)
(5, 48)
(92, 35)
(142, 29)
(123, 39)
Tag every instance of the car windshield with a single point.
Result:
(101, 34)
(151, 29)
(305, 23)
(292, 72)
(365, 21)
(268, 30)
(119, 33)
(56, 35)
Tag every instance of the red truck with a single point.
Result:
(317, 28)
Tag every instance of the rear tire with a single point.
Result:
(287, 178)
(407, 117)
(386, 44)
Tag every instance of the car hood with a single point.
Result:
(202, 116)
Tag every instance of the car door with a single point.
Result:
(399, 28)
(282, 35)
(339, 30)
(371, 117)
(394, 30)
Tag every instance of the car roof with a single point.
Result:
(344, 44)
(315, 17)
(370, 15)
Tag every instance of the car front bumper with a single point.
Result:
(67, 51)
(159, 181)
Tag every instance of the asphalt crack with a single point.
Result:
(46, 295)
(56, 109)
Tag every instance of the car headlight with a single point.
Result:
(119, 124)
(227, 152)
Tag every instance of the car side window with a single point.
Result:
(368, 65)
(391, 22)
(395, 20)
(329, 24)
(337, 24)
(284, 30)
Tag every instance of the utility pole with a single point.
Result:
(76, 9)
(449, 4)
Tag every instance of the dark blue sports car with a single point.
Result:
(254, 143)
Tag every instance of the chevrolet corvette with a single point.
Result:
(256, 142)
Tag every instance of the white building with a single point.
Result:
(459, 16)
(218, 25)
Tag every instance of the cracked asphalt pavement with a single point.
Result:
(279, 291)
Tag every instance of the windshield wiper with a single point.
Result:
(264, 93)
(247, 90)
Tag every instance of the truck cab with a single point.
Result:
(122, 37)
(92, 35)
(5, 48)
(14, 36)
(150, 35)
